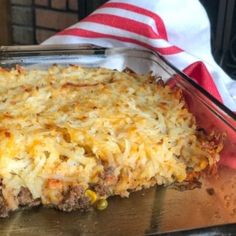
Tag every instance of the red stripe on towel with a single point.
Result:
(159, 22)
(91, 34)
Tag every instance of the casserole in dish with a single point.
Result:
(201, 104)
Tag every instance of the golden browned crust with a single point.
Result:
(72, 136)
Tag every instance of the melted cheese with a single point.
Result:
(69, 123)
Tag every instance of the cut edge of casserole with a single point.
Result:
(70, 137)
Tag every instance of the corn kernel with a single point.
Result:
(91, 195)
(203, 164)
(102, 204)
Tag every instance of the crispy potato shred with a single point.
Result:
(70, 137)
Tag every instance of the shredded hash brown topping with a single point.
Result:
(68, 133)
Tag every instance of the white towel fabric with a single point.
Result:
(178, 29)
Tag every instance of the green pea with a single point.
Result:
(102, 204)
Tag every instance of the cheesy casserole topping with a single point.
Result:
(68, 134)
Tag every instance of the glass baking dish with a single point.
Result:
(153, 211)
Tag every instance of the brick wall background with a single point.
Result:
(54, 15)
(22, 22)
(33, 21)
